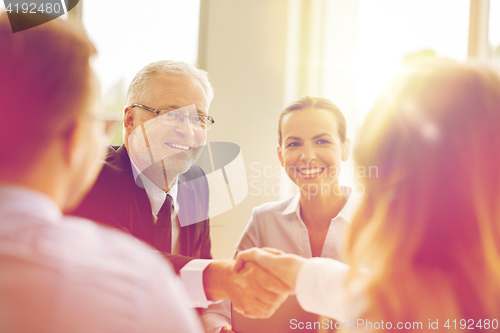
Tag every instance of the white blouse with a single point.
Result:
(279, 225)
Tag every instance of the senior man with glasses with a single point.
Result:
(150, 188)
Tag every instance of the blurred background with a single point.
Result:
(263, 54)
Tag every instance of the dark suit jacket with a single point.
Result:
(117, 201)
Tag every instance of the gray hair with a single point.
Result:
(137, 90)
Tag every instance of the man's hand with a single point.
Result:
(252, 290)
(283, 266)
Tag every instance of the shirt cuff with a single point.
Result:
(320, 286)
(216, 316)
(192, 278)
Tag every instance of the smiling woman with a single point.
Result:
(312, 144)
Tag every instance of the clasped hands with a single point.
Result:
(257, 282)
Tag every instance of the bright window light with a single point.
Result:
(494, 30)
(398, 32)
(130, 34)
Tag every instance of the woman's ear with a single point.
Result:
(346, 149)
(280, 155)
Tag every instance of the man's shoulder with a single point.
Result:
(273, 206)
(111, 190)
(80, 242)
(114, 161)
(114, 173)
(111, 248)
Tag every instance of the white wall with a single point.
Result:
(243, 47)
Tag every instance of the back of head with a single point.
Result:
(428, 227)
(44, 83)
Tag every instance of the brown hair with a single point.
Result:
(308, 103)
(44, 85)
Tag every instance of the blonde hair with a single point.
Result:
(428, 228)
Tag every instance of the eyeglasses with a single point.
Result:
(174, 118)
(106, 124)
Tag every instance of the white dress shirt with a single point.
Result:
(67, 274)
(279, 225)
(320, 289)
(192, 273)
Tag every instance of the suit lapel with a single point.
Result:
(185, 215)
(141, 199)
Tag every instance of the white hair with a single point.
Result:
(138, 90)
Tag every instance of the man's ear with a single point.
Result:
(346, 149)
(128, 119)
(280, 155)
(71, 142)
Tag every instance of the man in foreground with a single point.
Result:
(62, 274)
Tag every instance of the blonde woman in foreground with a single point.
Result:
(424, 246)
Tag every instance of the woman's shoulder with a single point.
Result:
(276, 208)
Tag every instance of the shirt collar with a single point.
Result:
(347, 212)
(351, 206)
(155, 194)
(293, 206)
(17, 199)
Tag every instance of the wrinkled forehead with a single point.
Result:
(175, 92)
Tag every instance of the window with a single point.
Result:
(398, 33)
(494, 30)
(130, 34)
(367, 42)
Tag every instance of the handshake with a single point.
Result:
(257, 282)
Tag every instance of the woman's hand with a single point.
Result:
(283, 266)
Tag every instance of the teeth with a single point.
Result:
(310, 171)
(175, 145)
